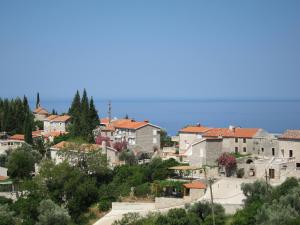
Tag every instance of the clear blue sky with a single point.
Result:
(150, 49)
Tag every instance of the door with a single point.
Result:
(272, 173)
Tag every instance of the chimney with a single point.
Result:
(147, 121)
(198, 124)
(232, 128)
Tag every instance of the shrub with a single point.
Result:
(105, 204)
(240, 172)
(142, 190)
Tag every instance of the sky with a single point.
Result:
(150, 49)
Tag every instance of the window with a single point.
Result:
(297, 166)
(236, 140)
(154, 140)
(291, 153)
(244, 140)
(273, 151)
(244, 149)
(262, 149)
(154, 132)
(236, 149)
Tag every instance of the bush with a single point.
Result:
(142, 190)
(105, 204)
(240, 173)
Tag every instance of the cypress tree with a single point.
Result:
(93, 114)
(84, 119)
(28, 130)
(74, 111)
(37, 100)
(76, 104)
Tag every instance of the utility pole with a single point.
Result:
(210, 181)
(109, 111)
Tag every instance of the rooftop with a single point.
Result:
(123, 124)
(291, 134)
(40, 111)
(232, 132)
(195, 185)
(57, 118)
(69, 145)
(195, 129)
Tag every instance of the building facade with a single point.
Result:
(55, 123)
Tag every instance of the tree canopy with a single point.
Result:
(84, 117)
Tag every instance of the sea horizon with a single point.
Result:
(272, 114)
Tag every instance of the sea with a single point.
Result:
(272, 115)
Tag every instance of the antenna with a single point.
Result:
(109, 111)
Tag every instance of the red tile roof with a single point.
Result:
(129, 124)
(195, 185)
(82, 147)
(18, 137)
(104, 120)
(2, 178)
(41, 111)
(194, 129)
(234, 132)
(57, 118)
(291, 134)
(63, 118)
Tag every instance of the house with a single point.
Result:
(141, 136)
(194, 190)
(40, 114)
(188, 135)
(111, 154)
(6, 145)
(56, 123)
(281, 162)
(289, 145)
(204, 152)
(245, 140)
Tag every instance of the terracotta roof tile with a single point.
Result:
(57, 118)
(104, 120)
(194, 129)
(2, 178)
(235, 132)
(82, 147)
(63, 118)
(291, 134)
(18, 137)
(195, 185)
(41, 111)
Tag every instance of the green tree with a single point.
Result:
(165, 140)
(28, 129)
(75, 111)
(84, 118)
(37, 104)
(69, 186)
(20, 164)
(7, 217)
(93, 118)
(52, 214)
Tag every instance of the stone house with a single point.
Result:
(188, 135)
(56, 123)
(205, 152)
(40, 114)
(141, 136)
(112, 155)
(244, 140)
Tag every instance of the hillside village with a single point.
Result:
(199, 164)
